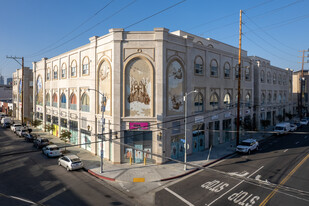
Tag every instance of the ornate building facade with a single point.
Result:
(144, 76)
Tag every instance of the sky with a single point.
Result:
(272, 29)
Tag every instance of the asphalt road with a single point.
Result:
(28, 178)
(277, 174)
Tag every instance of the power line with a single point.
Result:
(159, 12)
(76, 28)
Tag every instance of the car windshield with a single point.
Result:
(54, 148)
(245, 143)
(278, 128)
(44, 140)
(75, 160)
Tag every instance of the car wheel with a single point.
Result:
(249, 152)
(257, 148)
(68, 169)
(59, 163)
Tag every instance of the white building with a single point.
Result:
(144, 76)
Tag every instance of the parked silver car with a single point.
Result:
(70, 162)
(247, 146)
(51, 151)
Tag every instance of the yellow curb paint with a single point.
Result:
(283, 181)
(138, 179)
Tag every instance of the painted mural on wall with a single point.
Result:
(105, 85)
(39, 91)
(138, 88)
(175, 87)
(20, 90)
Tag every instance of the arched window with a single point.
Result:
(214, 101)
(85, 103)
(64, 71)
(263, 98)
(268, 77)
(280, 98)
(279, 79)
(214, 68)
(284, 98)
(73, 102)
(275, 98)
(73, 69)
(39, 91)
(48, 74)
(198, 66)
(247, 73)
(248, 100)
(85, 66)
(47, 99)
(227, 70)
(227, 99)
(63, 103)
(199, 42)
(210, 46)
(55, 72)
(198, 103)
(236, 71)
(55, 100)
(274, 78)
(269, 98)
(262, 76)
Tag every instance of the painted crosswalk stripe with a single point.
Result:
(179, 197)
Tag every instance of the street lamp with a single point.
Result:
(186, 104)
(103, 122)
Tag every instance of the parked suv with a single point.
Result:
(247, 146)
(40, 142)
(51, 151)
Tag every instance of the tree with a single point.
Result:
(265, 123)
(65, 136)
(49, 127)
(36, 123)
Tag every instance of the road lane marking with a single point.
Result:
(283, 181)
(24, 200)
(285, 150)
(52, 195)
(179, 197)
(242, 174)
(233, 187)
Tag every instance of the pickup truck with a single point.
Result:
(40, 142)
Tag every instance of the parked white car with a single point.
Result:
(15, 126)
(303, 122)
(247, 146)
(282, 128)
(70, 162)
(51, 151)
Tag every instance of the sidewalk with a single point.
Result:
(149, 172)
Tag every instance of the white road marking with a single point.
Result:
(242, 174)
(52, 195)
(285, 150)
(258, 178)
(24, 200)
(179, 197)
(123, 187)
(233, 187)
(296, 142)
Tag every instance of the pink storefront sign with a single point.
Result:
(139, 125)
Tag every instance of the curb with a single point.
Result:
(99, 176)
(194, 170)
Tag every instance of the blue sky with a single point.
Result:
(273, 29)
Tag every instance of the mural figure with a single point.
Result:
(105, 85)
(39, 94)
(138, 92)
(176, 103)
(175, 85)
(177, 74)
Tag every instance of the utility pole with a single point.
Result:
(239, 77)
(302, 83)
(22, 84)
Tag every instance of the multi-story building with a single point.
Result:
(300, 101)
(145, 76)
(1, 80)
(27, 107)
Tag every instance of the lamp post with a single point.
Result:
(186, 104)
(103, 104)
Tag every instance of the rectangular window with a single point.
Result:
(63, 123)
(73, 71)
(73, 125)
(55, 75)
(48, 76)
(55, 120)
(48, 118)
(227, 73)
(85, 69)
(63, 73)
(214, 71)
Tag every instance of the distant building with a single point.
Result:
(1, 80)
(5, 93)
(296, 91)
(17, 95)
(9, 81)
